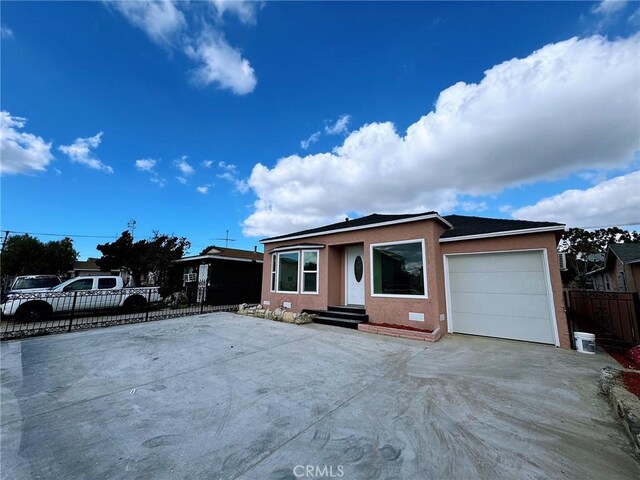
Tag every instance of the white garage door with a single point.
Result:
(502, 295)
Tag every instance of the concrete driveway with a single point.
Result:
(222, 396)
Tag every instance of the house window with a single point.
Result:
(288, 271)
(274, 259)
(310, 272)
(622, 282)
(607, 282)
(398, 269)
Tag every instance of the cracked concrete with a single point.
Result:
(226, 396)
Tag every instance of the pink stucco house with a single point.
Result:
(431, 273)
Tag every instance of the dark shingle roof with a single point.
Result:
(224, 252)
(626, 252)
(464, 226)
(372, 219)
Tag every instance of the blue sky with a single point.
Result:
(194, 118)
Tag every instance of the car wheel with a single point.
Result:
(134, 304)
(33, 312)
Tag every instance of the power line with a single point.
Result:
(60, 234)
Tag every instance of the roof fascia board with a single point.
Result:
(216, 257)
(505, 233)
(361, 227)
(296, 247)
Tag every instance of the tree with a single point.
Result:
(582, 247)
(27, 255)
(139, 258)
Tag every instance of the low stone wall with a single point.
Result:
(399, 332)
(625, 403)
(278, 315)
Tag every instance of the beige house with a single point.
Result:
(621, 271)
(473, 275)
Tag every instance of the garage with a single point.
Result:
(504, 295)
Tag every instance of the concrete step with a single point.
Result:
(338, 322)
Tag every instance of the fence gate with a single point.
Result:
(614, 317)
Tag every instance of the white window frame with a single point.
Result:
(607, 282)
(424, 269)
(297, 273)
(275, 270)
(303, 271)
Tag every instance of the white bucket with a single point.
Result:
(585, 342)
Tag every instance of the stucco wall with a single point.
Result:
(396, 310)
(332, 274)
(547, 241)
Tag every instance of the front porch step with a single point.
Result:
(340, 316)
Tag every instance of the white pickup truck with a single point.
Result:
(78, 294)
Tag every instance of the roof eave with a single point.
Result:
(431, 216)
(506, 233)
(216, 257)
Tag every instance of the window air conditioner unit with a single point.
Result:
(562, 261)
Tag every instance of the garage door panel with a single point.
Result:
(497, 326)
(494, 262)
(503, 295)
(526, 306)
(498, 282)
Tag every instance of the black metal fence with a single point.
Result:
(31, 314)
(614, 317)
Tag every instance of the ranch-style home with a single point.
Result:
(434, 274)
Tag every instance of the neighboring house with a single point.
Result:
(83, 268)
(621, 270)
(231, 276)
(480, 276)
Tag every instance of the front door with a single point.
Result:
(355, 275)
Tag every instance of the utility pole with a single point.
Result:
(6, 236)
(131, 226)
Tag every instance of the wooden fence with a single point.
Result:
(614, 317)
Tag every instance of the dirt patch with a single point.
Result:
(401, 327)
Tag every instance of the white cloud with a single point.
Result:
(230, 174)
(313, 138)
(244, 10)
(80, 152)
(21, 152)
(184, 166)
(220, 64)
(146, 164)
(161, 20)
(229, 167)
(181, 26)
(608, 7)
(161, 182)
(206, 163)
(339, 127)
(6, 32)
(612, 202)
(204, 189)
(182, 180)
(634, 18)
(536, 118)
(470, 206)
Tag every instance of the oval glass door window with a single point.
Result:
(357, 268)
